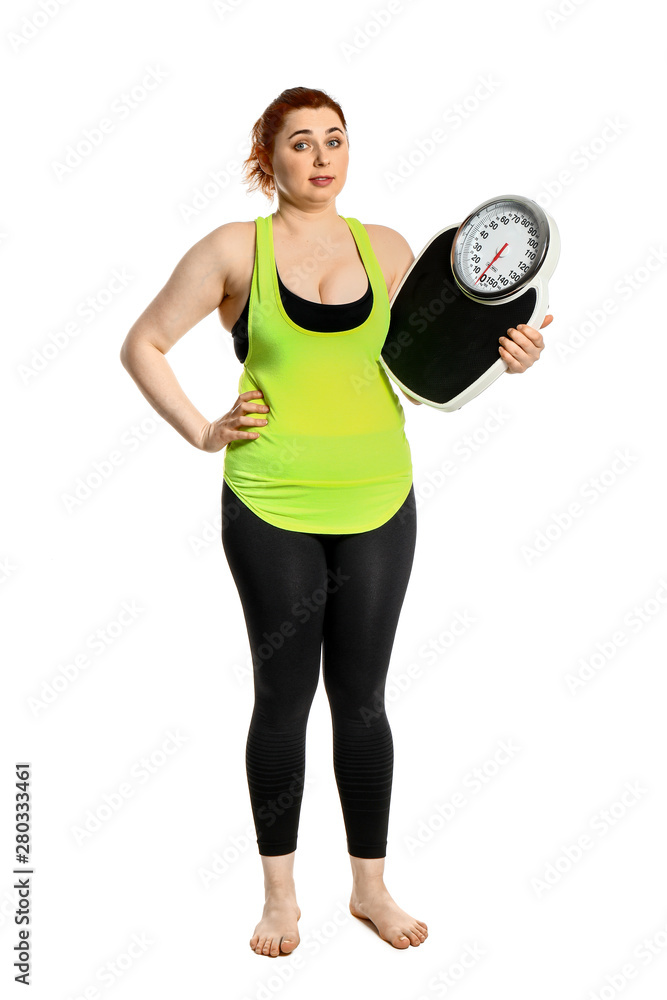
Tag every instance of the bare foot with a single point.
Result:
(277, 932)
(393, 924)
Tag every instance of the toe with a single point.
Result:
(260, 945)
(275, 947)
(401, 941)
(287, 944)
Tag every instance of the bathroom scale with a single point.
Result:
(467, 287)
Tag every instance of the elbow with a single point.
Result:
(131, 348)
(124, 355)
(128, 353)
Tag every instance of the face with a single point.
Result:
(311, 143)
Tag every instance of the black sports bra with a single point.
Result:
(324, 317)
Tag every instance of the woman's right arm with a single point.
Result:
(196, 287)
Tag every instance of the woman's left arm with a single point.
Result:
(522, 346)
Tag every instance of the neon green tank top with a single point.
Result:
(333, 457)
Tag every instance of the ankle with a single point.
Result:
(281, 889)
(368, 883)
(278, 875)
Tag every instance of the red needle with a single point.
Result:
(489, 265)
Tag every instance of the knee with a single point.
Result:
(362, 713)
(280, 712)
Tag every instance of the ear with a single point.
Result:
(265, 162)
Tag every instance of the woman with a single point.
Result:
(319, 517)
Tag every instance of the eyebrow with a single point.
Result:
(309, 131)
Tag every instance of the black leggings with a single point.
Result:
(306, 596)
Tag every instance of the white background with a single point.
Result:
(182, 664)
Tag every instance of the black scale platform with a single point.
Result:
(440, 356)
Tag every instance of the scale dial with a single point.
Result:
(499, 247)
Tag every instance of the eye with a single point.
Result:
(303, 142)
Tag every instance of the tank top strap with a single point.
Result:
(264, 262)
(371, 263)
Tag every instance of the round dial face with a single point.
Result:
(499, 247)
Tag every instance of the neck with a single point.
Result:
(311, 220)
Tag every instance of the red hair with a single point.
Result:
(266, 128)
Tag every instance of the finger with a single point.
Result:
(252, 407)
(547, 319)
(513, 350)
(513, 366)
(520, 347)
(252, 400)
(528, 337)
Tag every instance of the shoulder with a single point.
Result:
(230, 248)
(386, 237)
(393, 252)
(223, 245)
(231, 236)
